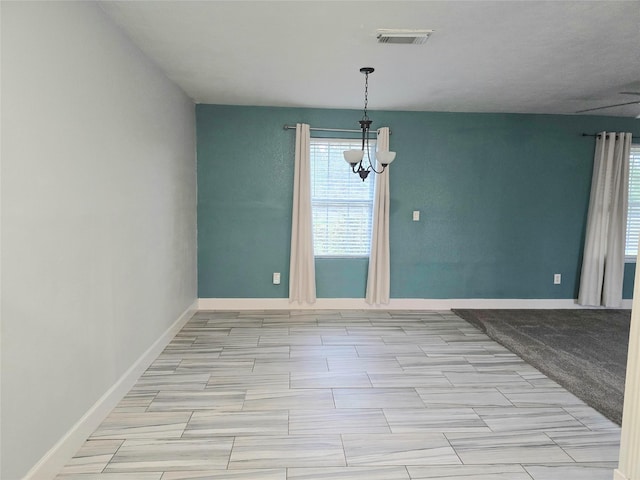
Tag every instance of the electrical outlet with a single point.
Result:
(416, 215)
(557, 279)
(276, 278)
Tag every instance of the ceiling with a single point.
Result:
(555, 57)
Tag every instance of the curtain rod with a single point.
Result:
(597, 135)
(319, 129)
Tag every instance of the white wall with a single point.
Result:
(98, 187)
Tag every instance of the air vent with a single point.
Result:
(403, 37)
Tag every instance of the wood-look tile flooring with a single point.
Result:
(344, 395)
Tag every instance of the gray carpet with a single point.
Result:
(585, 351)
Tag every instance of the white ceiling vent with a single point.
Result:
(403, 37)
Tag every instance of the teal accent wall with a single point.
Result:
(503, 201)
(629, 274)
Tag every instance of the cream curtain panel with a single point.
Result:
(378, 279)
(603, 258)
(302, 274)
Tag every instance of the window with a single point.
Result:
(342, 204)
(633, 214)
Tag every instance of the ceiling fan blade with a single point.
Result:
(608, 106)
(630, 93)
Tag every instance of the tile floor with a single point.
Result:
(344, 395)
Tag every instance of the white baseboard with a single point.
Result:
(58, 456)
(394, 304)
(618, 475)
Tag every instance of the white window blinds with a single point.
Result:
(341, 202)
(633, 215)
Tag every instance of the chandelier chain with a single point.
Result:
(366, 95)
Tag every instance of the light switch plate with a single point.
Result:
(416, 215)
(276, 278)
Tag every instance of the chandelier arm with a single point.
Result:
(371, 167)
(376, 171)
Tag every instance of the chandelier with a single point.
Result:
(355, 157)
